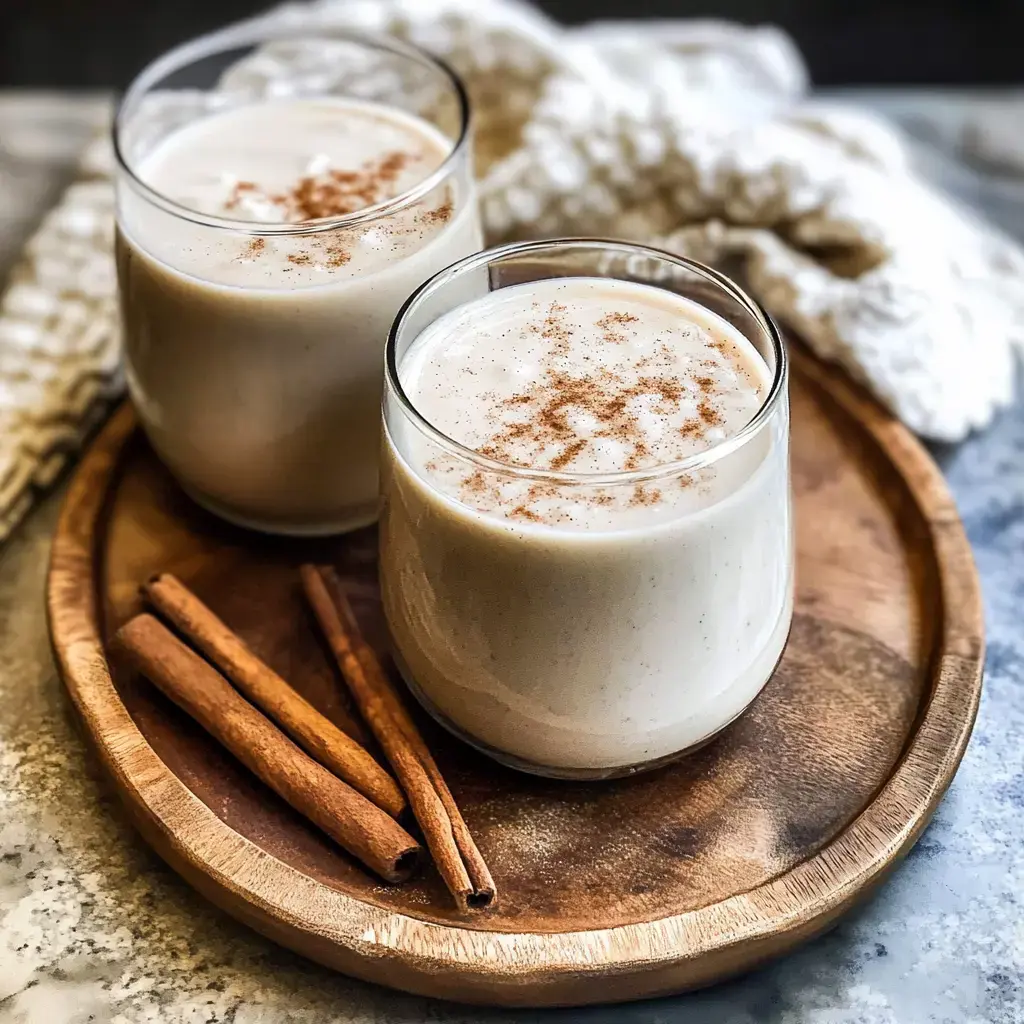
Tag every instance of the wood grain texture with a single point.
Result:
(610, 891)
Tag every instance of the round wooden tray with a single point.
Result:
(609, 891)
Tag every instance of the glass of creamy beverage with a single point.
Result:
(279, 196)
(586, 531)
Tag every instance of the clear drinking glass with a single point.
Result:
(255, 315)
(609, 645)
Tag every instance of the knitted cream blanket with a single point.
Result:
(699, 136)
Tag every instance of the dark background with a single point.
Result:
(102, 43)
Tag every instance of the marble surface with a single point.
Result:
(93, 927)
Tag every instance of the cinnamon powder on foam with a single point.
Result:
(606, 396)
(334, 194)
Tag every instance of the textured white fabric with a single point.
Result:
(698, 136)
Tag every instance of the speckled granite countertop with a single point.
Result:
(93, 927)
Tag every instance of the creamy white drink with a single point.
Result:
(255, 357)
(571, 601)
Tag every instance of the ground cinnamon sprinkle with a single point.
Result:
(708, 413)
(554, 328)
(392, 165)
(441, 215)
(337, 256)
(611, 321)
(538, 491)
(522, 512)
(553, 401)
(602, 395)
(339, 192)
(333, 193)
(669, 388)
(336, 193)
(645, 495)
(568, 454)
(477, 489)
(640, 452)
(567, 391)
(238, 190)
(476, 482)
(583, 404)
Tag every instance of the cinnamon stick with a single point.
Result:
(316, 733)
(458, 859)
(476, 866)
(358, 825)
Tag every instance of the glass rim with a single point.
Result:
(260, 30)
(676, 467)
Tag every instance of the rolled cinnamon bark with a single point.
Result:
(348, 817)
(458, 859)
(317, 734)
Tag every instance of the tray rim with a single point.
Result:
(532, 968)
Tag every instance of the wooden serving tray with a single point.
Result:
(611, 890)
